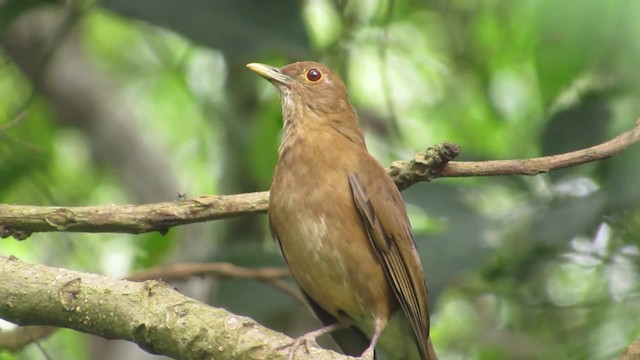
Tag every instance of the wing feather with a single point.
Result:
(391, 236)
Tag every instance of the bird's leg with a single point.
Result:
(309, 339)
(379, 325)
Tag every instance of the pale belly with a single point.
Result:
(331, 259)
(326, 269)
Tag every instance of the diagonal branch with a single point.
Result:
(150, 313)
(546, 163)
(20, 221)
(21, 336)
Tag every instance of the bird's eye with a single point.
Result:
(314, 74)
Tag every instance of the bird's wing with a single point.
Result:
(351, 340)
(383, 213)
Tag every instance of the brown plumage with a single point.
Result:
(341, 223)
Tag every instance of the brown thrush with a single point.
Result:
(341, 223)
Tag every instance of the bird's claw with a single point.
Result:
(308, 341)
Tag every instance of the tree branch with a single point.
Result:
(546, 163)
(21, 336)
(632, 352)
(273, 276)
(150, 313)
(133, 219)
(20, 221)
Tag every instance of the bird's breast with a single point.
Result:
(321, 235)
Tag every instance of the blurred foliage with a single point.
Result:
(12, 9)
(541, 267)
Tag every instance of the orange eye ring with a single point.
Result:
(314, 74)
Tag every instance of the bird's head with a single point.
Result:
(308, 90)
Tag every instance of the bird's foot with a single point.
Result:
(306, 341)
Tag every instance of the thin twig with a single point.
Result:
(546, 163)
(273, 276)
(16, 120)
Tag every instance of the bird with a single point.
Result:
(341, 223)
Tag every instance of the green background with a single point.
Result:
(138, 101)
